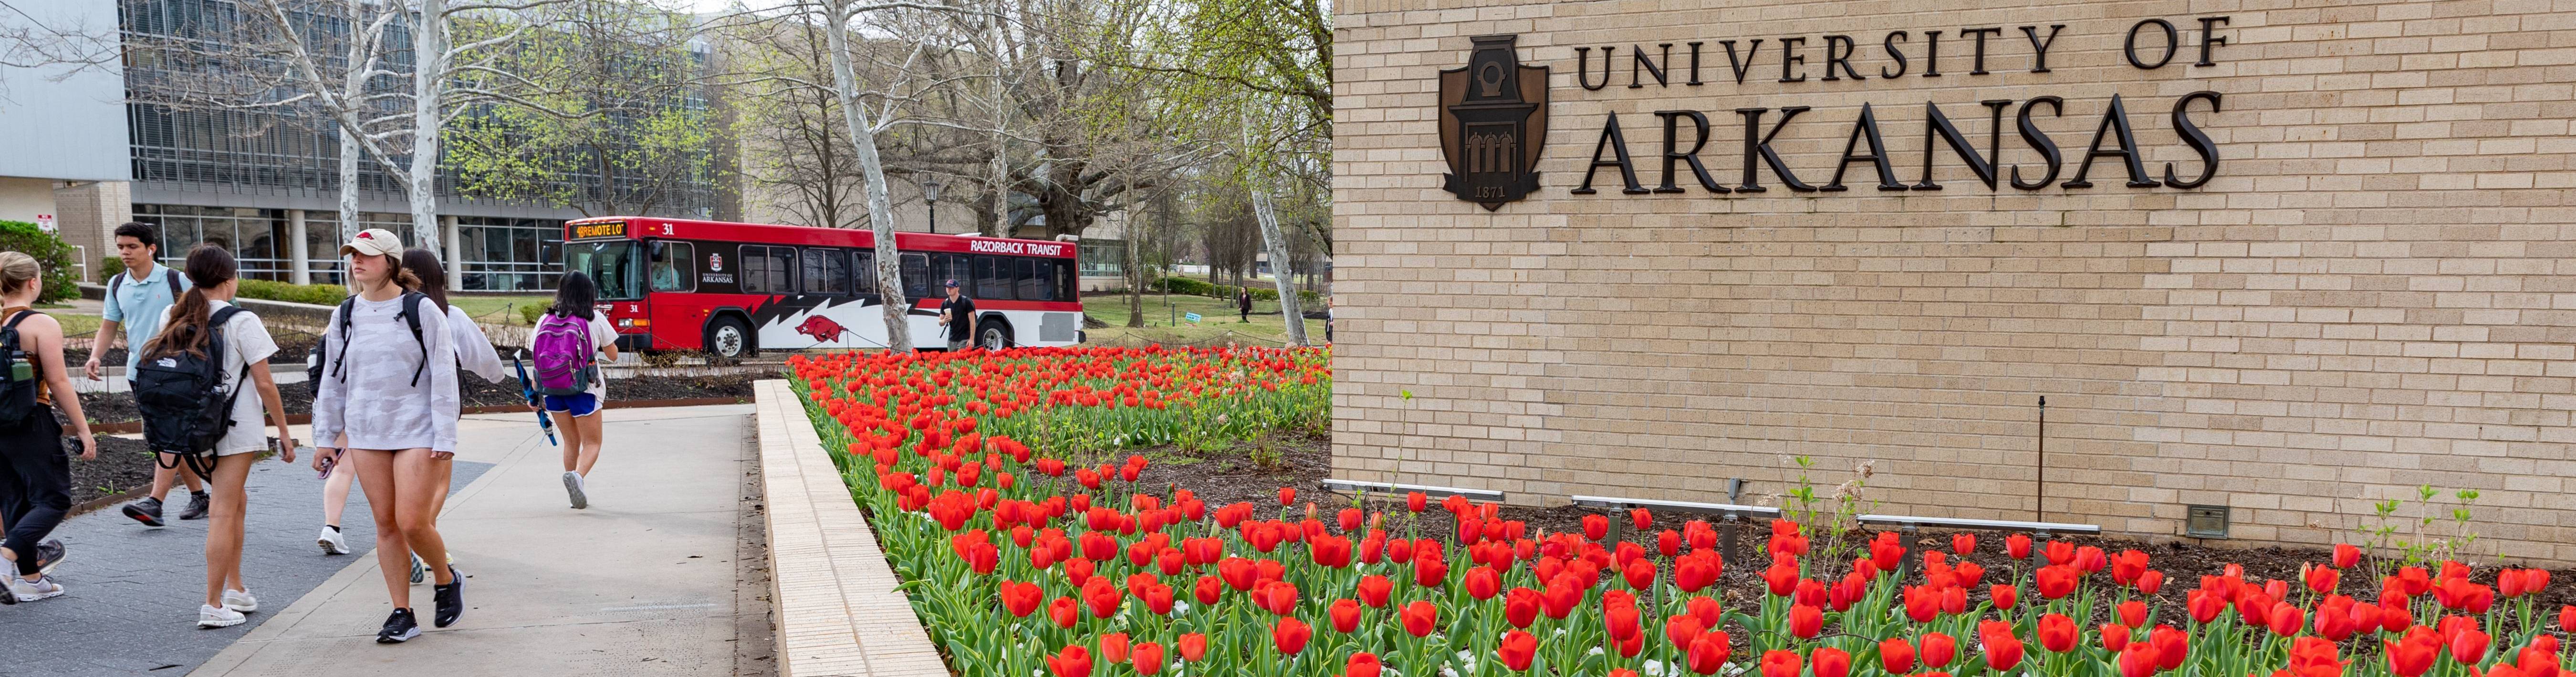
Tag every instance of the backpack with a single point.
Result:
(410, 314)
(563, 350)
(17, 396)
(118, 282)
(182, 399)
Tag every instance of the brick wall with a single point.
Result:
(2373, 293)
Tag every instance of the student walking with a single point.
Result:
(474, 354)
(1243, 306)
(204, 330)
(389, 384)
(958, 315)
(567, 345)
(136, 301)
(35, 478)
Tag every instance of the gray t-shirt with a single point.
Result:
(373, 399)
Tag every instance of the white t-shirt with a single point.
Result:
(474, 351)
(602, 335)
(245, 341)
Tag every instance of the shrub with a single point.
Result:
(61, 282)
(1197, 287)
(316, 294)
(531, 312)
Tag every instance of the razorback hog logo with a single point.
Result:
(822, 329)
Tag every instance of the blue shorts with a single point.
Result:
(580, 405)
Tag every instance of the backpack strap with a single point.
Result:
(347, 306)
(173, 279)
(411, 314)
(116, 282)
(215, 350)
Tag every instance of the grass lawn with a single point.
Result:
(76, 325)
(1216, 323)
(499, 308)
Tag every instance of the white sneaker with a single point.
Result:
(240, 600)
(332, 542)
(211, 617)
(573, 485)
(29, 591)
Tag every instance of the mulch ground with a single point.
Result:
(1306, 460)
(119, 407)
(122, 465)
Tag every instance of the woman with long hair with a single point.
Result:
(474, 354)
(578, 415)
(189, 329)
(394, 395)
(35, 478)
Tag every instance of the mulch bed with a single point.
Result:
(122, 465)
(291, 348)
(1306, 460)
(119, 407)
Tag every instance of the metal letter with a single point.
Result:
(1672, 127)
(2038, 47)
(1761, 149)
(2199, 142)
(1613, 141)
(2129, 46)
(1890, 44)
(1937, 125)
(2207, 40)
(1789, 56)
(1840, 57)
(2038, 141)
(2115, 120)
(1877, 157)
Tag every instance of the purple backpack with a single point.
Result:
(563, 350)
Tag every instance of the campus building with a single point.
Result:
(262, 181)
(2178, 269)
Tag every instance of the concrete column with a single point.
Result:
(300, 255)
(455, 264)
(87, 213)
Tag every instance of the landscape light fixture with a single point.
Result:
(930, 193)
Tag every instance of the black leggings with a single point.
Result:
(35, 483)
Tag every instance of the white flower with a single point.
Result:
(1595, 651)
(1179, 608)
(1651, 668)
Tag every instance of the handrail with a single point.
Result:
(1724, 509)
(2042, 528)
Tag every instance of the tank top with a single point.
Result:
(43, 399)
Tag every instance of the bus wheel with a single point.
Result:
(728, 339)
(994, 336)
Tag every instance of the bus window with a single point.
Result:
(673, 266)
(768, 270)
(1065, 282)
(916, 276)
(992, 279)
(863, 277)
(945, 267)
(610, 265)
(1032, 285)
(825, 272)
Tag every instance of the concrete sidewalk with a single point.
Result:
(650, 580)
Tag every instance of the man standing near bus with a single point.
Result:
(135, 300)
(958, 315)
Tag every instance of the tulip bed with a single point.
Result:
(1028, 549)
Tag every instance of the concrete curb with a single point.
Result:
(838, 610)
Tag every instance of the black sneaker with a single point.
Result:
(48, 555)
(451, 599)
(147, 511)
(197, 504)
(399, 628)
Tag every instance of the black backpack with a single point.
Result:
(410, 314)
(17, 398)
(182, 399)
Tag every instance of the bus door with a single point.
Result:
(616, 267)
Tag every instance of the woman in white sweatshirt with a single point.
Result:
(394, 394)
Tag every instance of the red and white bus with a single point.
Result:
(733, 289)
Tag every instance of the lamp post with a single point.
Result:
(930, 192)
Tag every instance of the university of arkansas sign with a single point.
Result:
(1494, 113)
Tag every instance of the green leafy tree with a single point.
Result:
(51, 254)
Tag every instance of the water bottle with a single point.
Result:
(21, 370)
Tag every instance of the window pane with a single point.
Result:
(1033, 285)
(782, 270)
(826, 272)
(1065, 283)
(811, 276)
(990, 282)
(755, 269)
(916, 276)
(863, 277)
(673, 266)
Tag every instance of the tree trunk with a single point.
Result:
(429, 86)
(1001, 224)
(1135, 278)
(863, 142)
(1279, 272)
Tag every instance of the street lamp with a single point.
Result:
(930, 192)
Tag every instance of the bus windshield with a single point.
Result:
(611, 265)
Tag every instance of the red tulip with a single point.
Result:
(1193, 647)
(2286, 619)
(2171, 646)
(2115, 637)
(1064, 611)
(1963, 544)
(2056, 581)
(1698, 570)
(1362, 664)
(2017, 546)
(1429, 571)
(2315, 657)
(2320, 580)
(1416, 501)
(2345, 555)
(2003, 649)
(2138, 660)
(1345, 614)
(1639, 573)
(1113, 648)
(1073, 661)
(2062, 553)
(2056, 633)
(2395, 618)
(1938, 649)
(1596, 527)
(2128, 566)
(1520, 607)
(1021, 599)
(1640, 518)
(2469, 647)
(1374, 590)
(1419, 617)
(1290, 635)
(2567, 618)
(1830, 662)
(1287, 497)
(1777, 663)
(1562, 594)
(1709, 651)
(1483, 582)
(1147, 658)
(2412, 655)
(1896, 656)
(2204, 605)
(1886, 551)
(2150, 582)
(2004, 595)
(1806, 621)
(1516, 650)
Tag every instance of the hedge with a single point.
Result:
(316, 294)
(61, 282)
(1197, 287)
